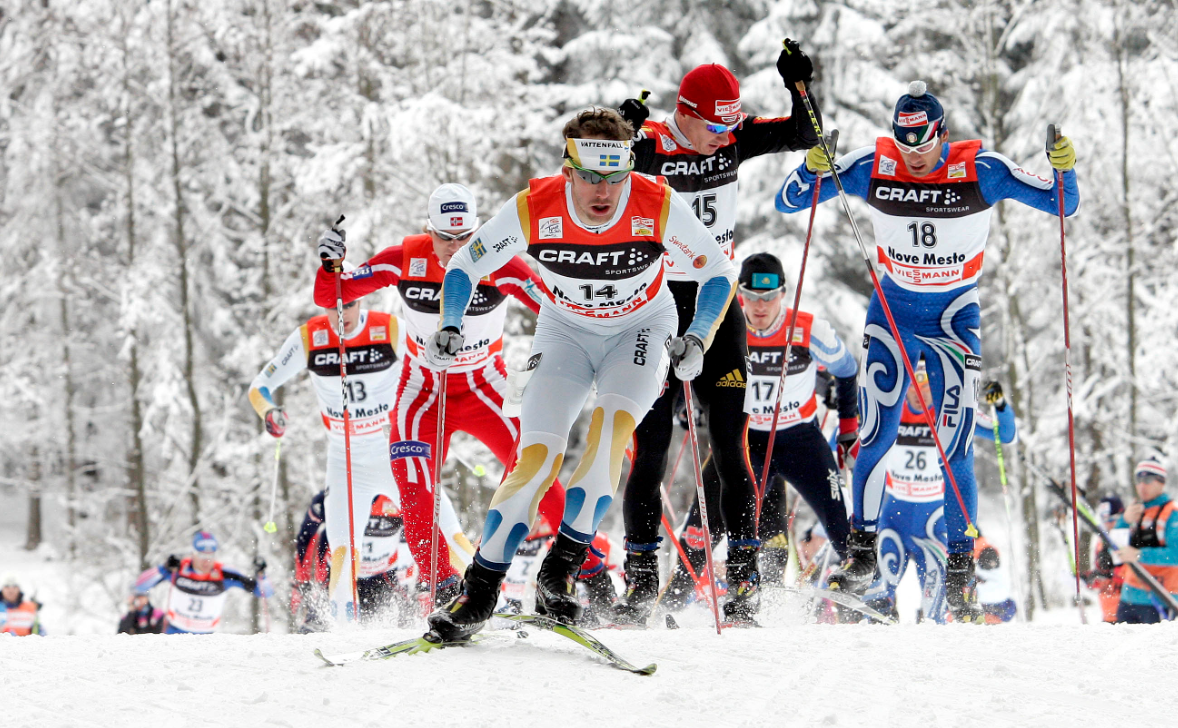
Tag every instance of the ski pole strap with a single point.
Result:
(640, 548)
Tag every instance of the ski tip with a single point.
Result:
(648, 670)
(321, 656)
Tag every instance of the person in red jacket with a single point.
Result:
(475, 384)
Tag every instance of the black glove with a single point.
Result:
(793, 65)
(332, 249)
(172, 563)
(259, 564)
(635, 111)
(992, 394)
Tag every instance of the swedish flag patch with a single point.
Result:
(477, 249)
(610, 160)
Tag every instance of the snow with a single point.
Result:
(784, 675)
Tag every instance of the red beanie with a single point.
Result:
(711, 92)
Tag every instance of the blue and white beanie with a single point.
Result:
(204, 542)
(919, 117)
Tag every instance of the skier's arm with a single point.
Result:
(383, 269)
(259, 587)
(495, 244)
(694, 250)
(290, 360)
(762, 135)
(1007, 429)
(854, 171)
(150, 578)
(1002, 179)
(828, 349)
(520, 281)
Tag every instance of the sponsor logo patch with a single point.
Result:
(669, 144)
(455, 222)
(551, 227)
(914, 118)
(319, 338)
(408, 449)
(417, 267)
(974, 362)
(700, 262)
(957, 171)
(731, 379)
(477, 249)
(727, 108)
(364, 271)
(887, 166)
(270, 370)
(534, 361)
(379, 333)
(454, 207)
(641, 226)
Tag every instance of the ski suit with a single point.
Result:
(1156, 534)
(709, 185)
(373, 350)
(930, 236)
(148, 620)
(605, 318)
(20, 618)
(800, 453)
(196, 600)
(475, 384)
(912, 522)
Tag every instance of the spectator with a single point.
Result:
(18, 616)
(1153, 543)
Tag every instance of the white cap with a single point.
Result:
(452, 207)
(9, 580)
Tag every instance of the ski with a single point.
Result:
(404, 647)
(1088, 518)
(581, 637)
(849, 601)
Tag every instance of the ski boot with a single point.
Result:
(642, 588)
(857, 571)
(556, 584)
(466, 613)
(744, 585)
(601, 599)
(960, 590)
(681, 589)
(774, 560)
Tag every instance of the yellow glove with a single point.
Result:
(816, 160)
(1062, 154)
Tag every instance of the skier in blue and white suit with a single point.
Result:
(930, 203)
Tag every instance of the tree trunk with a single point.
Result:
(1130, 255)
(33, 530)
(64, 279)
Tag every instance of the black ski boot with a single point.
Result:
(857, 571)
(466, 613)
(600, 588)
(774, 560)
(556, 584)
(744, 586)
(961, 590)
(642, 588)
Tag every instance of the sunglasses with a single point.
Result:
(751, 295)
(918, 149)
(596, 178)
(1150, 478)
(718, 128)
(450, 237)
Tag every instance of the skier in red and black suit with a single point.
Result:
(699, 150)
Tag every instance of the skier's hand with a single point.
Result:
(848, 442)
(1062, 154)
(816, 160)
(992, 394)
(793, 65)
(259, 565)
(442, 347)
(635, 111)
(173, 562)
(1133, 513)
(332, 250)
(276, 422)
(1129, 555)
(687, 356)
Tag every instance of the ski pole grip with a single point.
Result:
(832, 142)
(1053, 135)
(643, 96)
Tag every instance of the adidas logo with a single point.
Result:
(731, 379)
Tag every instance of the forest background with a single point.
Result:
(166, 166)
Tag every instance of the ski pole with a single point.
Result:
(344, 392)
(1005, 495)
(443, 377)
(1053, 136)
(828, 149)
(971, 530)
(675, 469)
(703, 503)
(270, 527)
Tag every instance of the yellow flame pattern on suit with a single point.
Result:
(338, 554)
(527, 467)
(591, 443)
(624, 426)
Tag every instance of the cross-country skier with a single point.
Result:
(607, 319)
(801, 454)
(912, 520)
(18, 616)
(699, 149)
(375, 341)
(475, 385)
(1153, 543)
(930, 202)
(1107, 575)
(199, 585)
(142, 617)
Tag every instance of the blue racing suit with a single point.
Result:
(930, 236)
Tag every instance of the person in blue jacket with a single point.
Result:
(1153, 543)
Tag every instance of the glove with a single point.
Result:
(848, 442)
(259, 565)
(1062, 154)
(332, 250)
(442, 347)
(816, 161)
(275, 421)
(687, 356)
(992, 394)
(172, 563)
(793, 65)
(635, 111)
